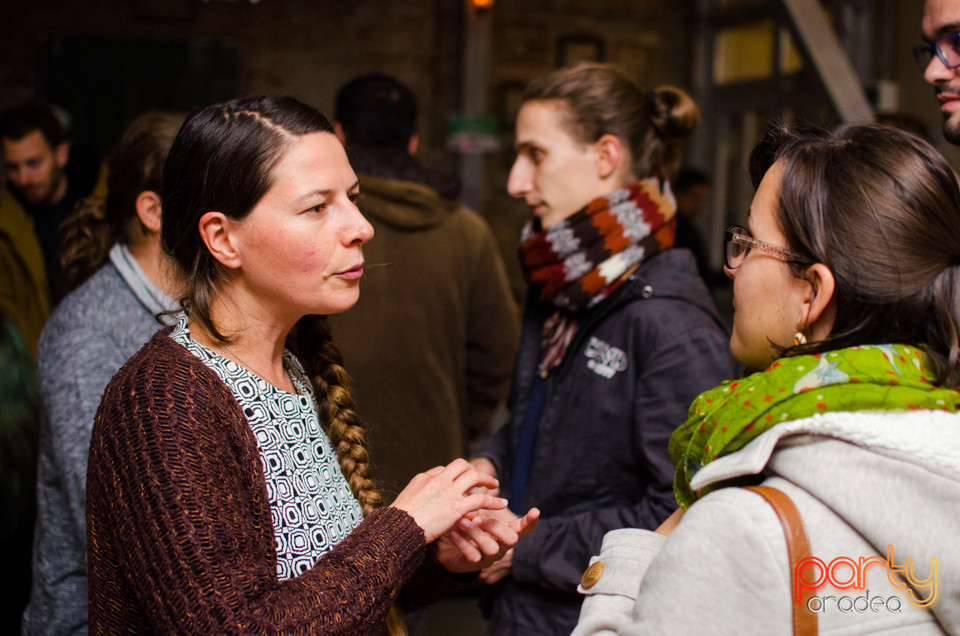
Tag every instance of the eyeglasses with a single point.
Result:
(947, 49)
(738, 242)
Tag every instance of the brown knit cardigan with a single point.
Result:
(179, 535)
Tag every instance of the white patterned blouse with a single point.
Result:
(311, 505)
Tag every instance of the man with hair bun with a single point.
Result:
(618, 336)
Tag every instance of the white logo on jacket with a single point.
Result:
(604, 359)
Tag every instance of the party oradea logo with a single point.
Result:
(844, 573)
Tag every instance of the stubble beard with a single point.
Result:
(951, 130)
(951, 120)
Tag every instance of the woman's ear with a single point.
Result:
(610, 155)
(148, 209)
(819, 301)
(215, 230)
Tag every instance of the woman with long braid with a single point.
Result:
(228, 488)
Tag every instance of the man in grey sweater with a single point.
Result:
(89, 337)
(92, 333)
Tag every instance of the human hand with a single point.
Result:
(499, 570)
(507, 516)
(486, 467)
(480, 542)
(440, 497)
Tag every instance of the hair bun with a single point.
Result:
(674, 113)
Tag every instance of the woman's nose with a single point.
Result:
(361, 231)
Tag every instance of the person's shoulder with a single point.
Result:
(102, 304)
(162, 367)
(163, 352)
(654, 286)
(672, 275)
(11, 210)
(675, 268)
(663, 310)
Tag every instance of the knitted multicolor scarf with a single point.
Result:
(869, 377)
(579, 261)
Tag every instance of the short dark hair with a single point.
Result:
(17, 123)
(376, 111)
(688, 178)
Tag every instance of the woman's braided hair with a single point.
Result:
(223, 159)
(134, 166)
(322, 359)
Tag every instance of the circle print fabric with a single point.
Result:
(311, 505)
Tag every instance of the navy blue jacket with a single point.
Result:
(600, 461)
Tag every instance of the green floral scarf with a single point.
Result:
(869, 377)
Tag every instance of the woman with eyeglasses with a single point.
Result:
(619, 334)
(847, 293)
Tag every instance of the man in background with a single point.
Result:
(691, 188)
(43, 185)
(430, 344)
(939, 59)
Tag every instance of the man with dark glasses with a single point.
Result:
(939, 59)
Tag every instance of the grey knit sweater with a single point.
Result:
(89, 337)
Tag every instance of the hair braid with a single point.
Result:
(85, 240)
(330, 380)
(135, 165)
(322, 360)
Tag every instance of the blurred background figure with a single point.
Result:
(691, 188)
(431, 342)
(19, 420)
(121, 282)
(43, 183)
(24, 296)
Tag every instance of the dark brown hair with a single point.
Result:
(135, 166)
(601, 99)
(223, 159)
(376, 111)
(17, 123)
(879, 207)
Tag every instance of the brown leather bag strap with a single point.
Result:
(804, 621)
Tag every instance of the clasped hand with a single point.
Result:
(456, 505)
